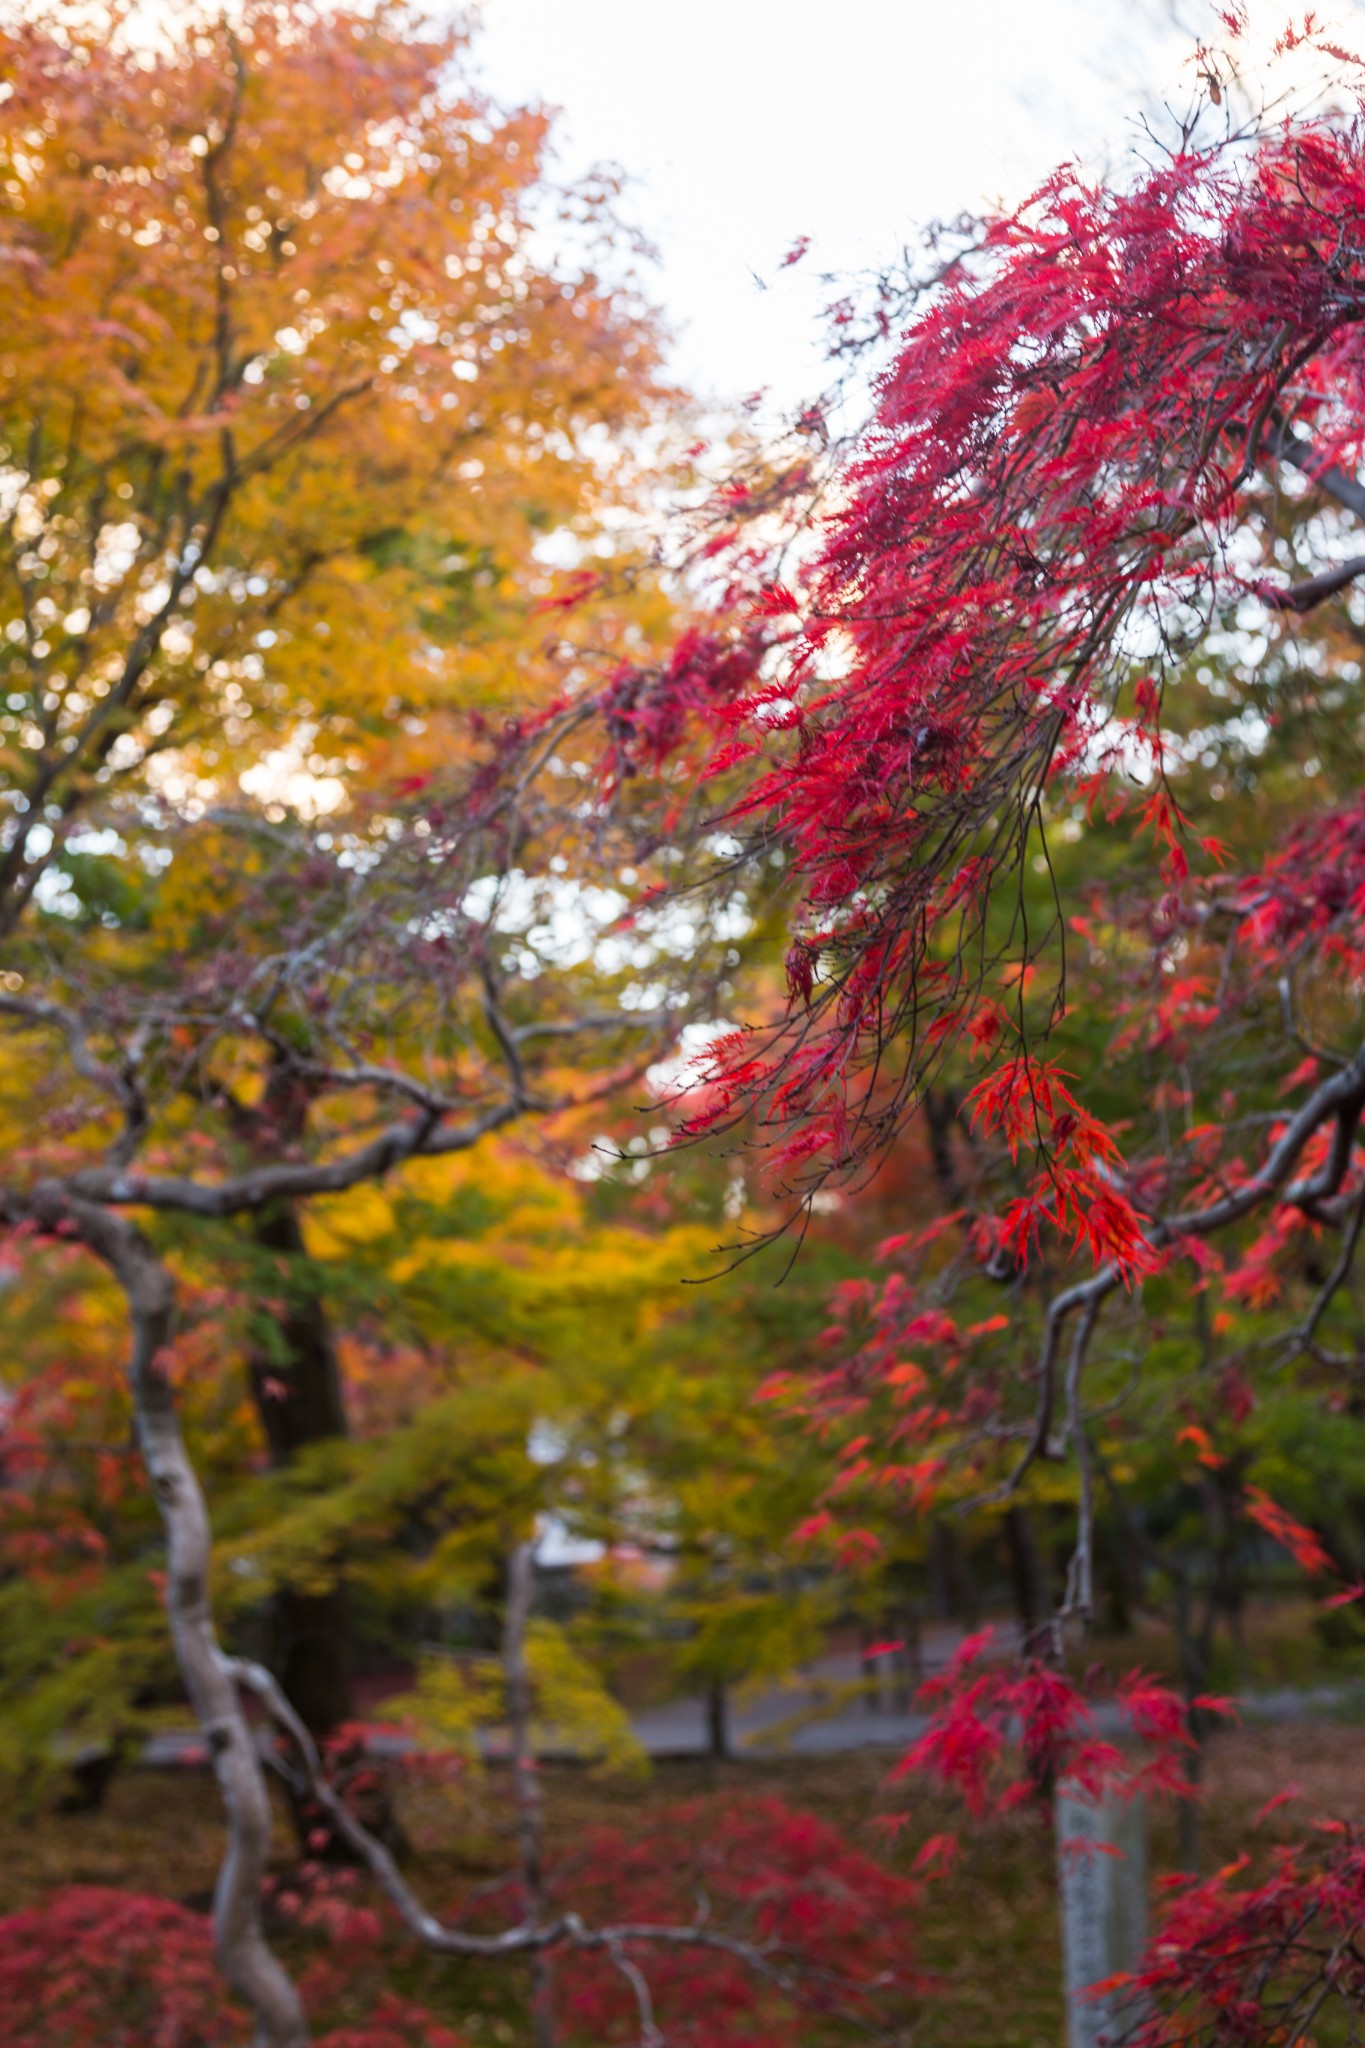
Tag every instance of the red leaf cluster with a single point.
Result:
(1006, 1734)
(837, 1925)
(98, 1968)
(1250, 1964)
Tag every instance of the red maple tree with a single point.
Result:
(1119, 432)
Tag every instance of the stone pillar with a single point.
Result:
(1102, 1885)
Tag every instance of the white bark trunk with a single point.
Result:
(244, 1956)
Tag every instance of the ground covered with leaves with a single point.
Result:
(985, 1936)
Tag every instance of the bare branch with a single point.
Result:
(1341, 1096)
(288, 1180)
(507, 1044)
(593, 1020)
(1297, 450)
(650, 2037)
(1303, 597)
(1305, 1335)
(527, 1937)
(425, 1926)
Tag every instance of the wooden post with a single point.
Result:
(1102, 1886)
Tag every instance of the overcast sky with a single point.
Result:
(746, 123)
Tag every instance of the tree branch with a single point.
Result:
(1297, 450)
(120, 1083)
(420, 1138)
(1302, 597)
(1340, 1097)
(566, 1929)
(243, 1954)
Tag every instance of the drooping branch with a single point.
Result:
(650, 2037)
(382, 1867)
(528, 1936)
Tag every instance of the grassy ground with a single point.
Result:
(987, 1934)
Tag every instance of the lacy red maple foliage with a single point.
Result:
(829, 1926)
(1002, 1735)
(835, 1927)
(1041, 513)
(118, 1969)
(1241, 1962)
(108, 1966)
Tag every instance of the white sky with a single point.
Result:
(745, 123)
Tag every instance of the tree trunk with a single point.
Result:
(244, 1956)
(526, 1784)
(909, 1667)
(312, 1640)
(1194, 1645)
(717, 1721)
(1187, 1819)
(298, 1392)
(1119, 1575)
(297, 1386)
(1026, 1570)
(871, 1668)
(952, 1593)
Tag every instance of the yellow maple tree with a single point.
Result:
(310, 386)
